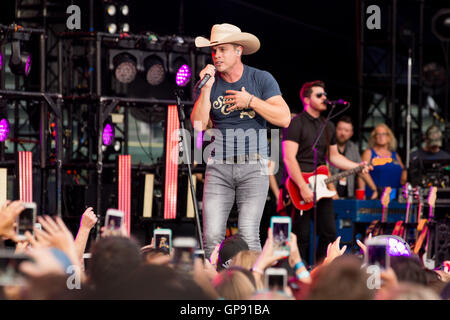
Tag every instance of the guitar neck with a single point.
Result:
(344, 174)
(385, 214)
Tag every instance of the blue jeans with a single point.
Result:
(249, 184)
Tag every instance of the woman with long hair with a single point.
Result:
(382, 144)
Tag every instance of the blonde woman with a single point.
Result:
(382, 144)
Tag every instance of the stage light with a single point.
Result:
(111, 10)
(20, 63)
(108, 134)
(125, 67)
(124, 27)
(1, 61)
(396, 245)
(183, 75)
(4, 129)
(441, 24)
(156, 73)
(112, 28)
(124, 10)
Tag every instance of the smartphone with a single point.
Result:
(113, 222)
(183, 256)
(26, 220)
(275, 279)
(87, 261)
(10, 275)
(377, 253)
(281, 230)
(162, 239)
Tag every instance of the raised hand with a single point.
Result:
(8, 214)
(334, 250)
(89, 219)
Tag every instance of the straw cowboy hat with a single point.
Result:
(227, 33)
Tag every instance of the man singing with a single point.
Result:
(237, 101)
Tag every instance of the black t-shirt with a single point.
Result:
(303, 130)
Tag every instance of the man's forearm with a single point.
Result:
(342, 162)
(295, 173)
(201, 110)
(278, 115)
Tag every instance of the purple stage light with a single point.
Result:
(108, 134)
(28, 65)
(398, 247)
(4, 129)
(1, 61)
(183, 75)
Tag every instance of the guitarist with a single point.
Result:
(299, 157)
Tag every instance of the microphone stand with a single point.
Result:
(314, 149)
(182, 117)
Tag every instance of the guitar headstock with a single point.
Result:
(432, 197)
(407, 191)
(380, 161)
(386, 197)
(418, 194)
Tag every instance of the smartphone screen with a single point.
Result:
(377, 255)
(281, 235)
(276, 282)
(183, 257)
(113, 222)
(26, 221)
(162, 242)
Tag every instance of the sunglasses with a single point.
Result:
(319, 95)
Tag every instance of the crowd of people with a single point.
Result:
(119, 268)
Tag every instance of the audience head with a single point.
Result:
(112, 259)
(409, 269)
(245, 259)
(233, 284)
(342, 279)
(229, 248)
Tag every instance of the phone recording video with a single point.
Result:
(275, 279)
(281, 230)
(26, 220)
(377, 253)
(113, 222)
(183, 257)
(162, 239)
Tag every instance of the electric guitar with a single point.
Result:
(376, 227)
(401, 227)
(424, 226)
(322, 181)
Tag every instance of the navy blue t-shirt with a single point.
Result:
(235, 127)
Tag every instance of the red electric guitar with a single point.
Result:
(322, 181)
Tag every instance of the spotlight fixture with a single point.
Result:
(108, 134)
(125, 67)
(112, 28)
(124, 27)
(396, 245)
(124, 10)
(441, 24)
(4, 129)
(1, 61)
(111, 10)
(20, 63)
(156, 72)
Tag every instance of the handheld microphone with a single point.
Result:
(339, 102)
(204, 80)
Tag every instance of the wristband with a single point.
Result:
(257, 270)
(298, 265)
(302, 275)
(248, 101)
